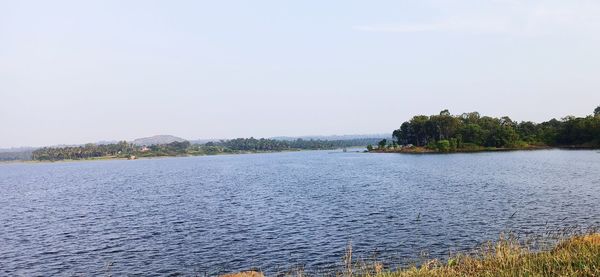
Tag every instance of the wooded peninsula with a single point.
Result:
(469, 132)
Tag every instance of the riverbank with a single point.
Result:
(578, 255)
(425, 150)
(575, 256)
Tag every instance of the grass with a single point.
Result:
(576, 256)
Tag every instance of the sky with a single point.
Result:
(84, 71)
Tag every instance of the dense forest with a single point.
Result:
(125, 149)
(471, 131)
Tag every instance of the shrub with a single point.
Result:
(453, 144)
(431, 145)
(470, 146)
(443, 146)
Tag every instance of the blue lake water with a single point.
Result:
(215, 214)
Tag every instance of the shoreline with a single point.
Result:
(569, 255)
(413, 151)
(423, 150)
(114, 158)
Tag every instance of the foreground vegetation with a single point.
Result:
(124, 149)
(578, 255)
(473, 132)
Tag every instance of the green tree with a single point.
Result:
(382, 143)
(472, 133)
(431, 145)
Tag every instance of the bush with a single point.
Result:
(453, 144)
(431, 145)
(519, 144)
(470, 146)
(443, 146)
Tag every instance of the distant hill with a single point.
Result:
(159, 139)
(105, 142)
(203, 141)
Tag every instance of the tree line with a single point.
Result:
(90, 150)
(446, 132)
(252, 144)
(125, 149)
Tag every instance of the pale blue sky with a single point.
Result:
(82, 71)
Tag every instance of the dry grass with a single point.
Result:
(250, 273)
(577, 256)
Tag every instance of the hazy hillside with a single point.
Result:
(159, 139)
(203, 141)
(22, 155)
(17, 149)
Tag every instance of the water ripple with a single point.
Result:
(209, 215)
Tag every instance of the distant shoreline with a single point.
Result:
(126, 150)
(413, 151)
(113, 158)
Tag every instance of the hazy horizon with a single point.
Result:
(331, 136)
(73, 72)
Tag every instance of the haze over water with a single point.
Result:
(274, 211)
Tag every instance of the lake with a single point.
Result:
(215, 214)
